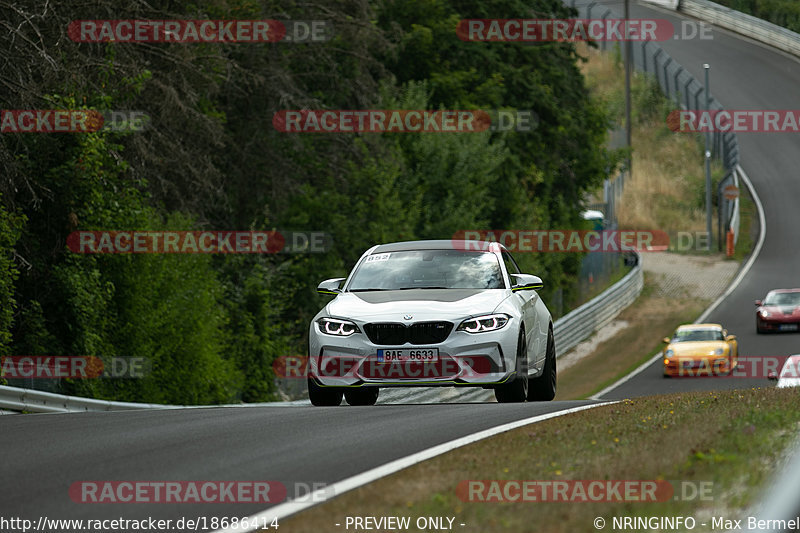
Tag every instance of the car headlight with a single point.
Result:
(764, 313)
(669, 353)
(334, 326)
(484, 323)
(719, 351)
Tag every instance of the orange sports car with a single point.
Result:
(700, 350)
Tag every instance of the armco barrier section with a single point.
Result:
(569, 330)
(667, 4)
(742, 23)
(580, 323)
(35, 401)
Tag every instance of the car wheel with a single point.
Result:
(543, 388)
(323, 396)
(361, 396)
(515, 390)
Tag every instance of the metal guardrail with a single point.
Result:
(668, 4)
(35, 401)
(580, 323)
(569, 330)
(755, 28)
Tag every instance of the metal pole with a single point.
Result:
(627, 44)
(708, 162)
(719, 214)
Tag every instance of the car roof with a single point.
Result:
(783, 290)
(440, 244)
(687, 327)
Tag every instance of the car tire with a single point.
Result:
(323, 396)
(361, 396)
(515, 390)
(543, 388)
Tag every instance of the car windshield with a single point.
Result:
(693, 335)
(428, 269)
(783, 298)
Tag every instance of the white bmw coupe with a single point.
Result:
(432, 313)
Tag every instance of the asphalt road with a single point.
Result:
(744, 75)
(297, 446)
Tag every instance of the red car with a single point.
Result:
(779, 311)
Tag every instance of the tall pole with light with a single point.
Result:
(706, 67)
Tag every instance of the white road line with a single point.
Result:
(761, 236)
(289, 508)
(734, 284)
(625, 378)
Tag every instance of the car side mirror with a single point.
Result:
(666, 339)
(730, 338)
(330, 286)
(525, 282)
(758, 303)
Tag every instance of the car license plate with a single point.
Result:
(410, 354)
(788, 327)
(692, 364)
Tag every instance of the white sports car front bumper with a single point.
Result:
(476, 359)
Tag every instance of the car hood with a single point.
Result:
(421, 304)
(696, 348)
(790, 372)
(781, 309)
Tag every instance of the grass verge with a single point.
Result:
(715, 449)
